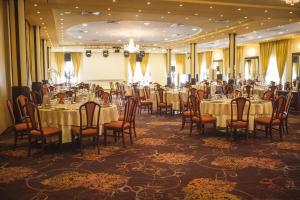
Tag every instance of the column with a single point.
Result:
(17, 41)
(232, 54)
(193, 60)
(169, 62)
(37, 52)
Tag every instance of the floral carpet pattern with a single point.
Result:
(164, 162)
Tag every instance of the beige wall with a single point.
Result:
(4, 75)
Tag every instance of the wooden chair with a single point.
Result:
(286, 112)
(51, 88)
(197, 118)
(144, 103)
(200, 94)
(248, 89)
(70, 93)
(106, 97)
(239, 122)
(132, 120)
(125, 126)
(162, 103)
(44, 91)
(21, 101)
(98, 92)
(61, 97)
(268, 95)
(184, 110)
(37, 131)
(237, 93)
(88, 111)
(20, 129)
(36, 97)
(147, 92)
(276, 118)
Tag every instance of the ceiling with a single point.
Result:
(200, 21)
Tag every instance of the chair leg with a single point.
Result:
(226, 130)
(134, 131)
(183, 122)
(280, 131)
(130, 135)
(16, 138)
(80, 144)
(105, 137)
(270, 132)
(191, 127)
(60, 141)
(29, 146)
(254, 131)
(97, 143)
(73, 138)
(286, 126)
(247, 134)
(43, 144)
(123, 138)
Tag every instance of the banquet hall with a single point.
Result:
(150, 99)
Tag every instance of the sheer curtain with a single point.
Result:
(239, 59)
(132, 61)
(208, 59)
(226, 62)
(200, 61)
(272, 71)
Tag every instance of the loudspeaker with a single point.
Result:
(197, 77)
(126, 54)
(67, 57)
(219, 77)
(105, 53)
(139, 57)
(193, 81)
(169, 80)
(189, 77)
(172, 68)
(295, 59)
(88, 53)
(17, 91)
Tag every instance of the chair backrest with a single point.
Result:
(278, 107)
(98, 92)
(200, 94)
(11, 112)
(44, 91)
(61, 96)
(273, 88)
(195, 105)
(288, 102)
(21, 101)
(130, 108)
(161, 96)
(147, 92)
(36, 97)
(33, 114)
(288, 86)
(181, 101)
(87, 111)
(111, 85)
(268, 95)
(248, 89)
(106, 97)
(192, 91)
(237, 93)
(69, 93)
(240, 103)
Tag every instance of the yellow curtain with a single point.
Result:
(60, 62)
(76, 59)
(200, 59)
(144, 63)
(239, 59)
(208, 58)
(226, 61)
(132, 61)
(166, 62)
(180, 63)
(281, 49)
(266, 49)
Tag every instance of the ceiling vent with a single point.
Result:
(112, 22)
(90, 13)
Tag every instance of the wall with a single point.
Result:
(157, 66)
(4, 73)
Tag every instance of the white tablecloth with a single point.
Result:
(172, 97)
(65, 119)
(221, 109)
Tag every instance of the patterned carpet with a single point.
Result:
(163, 163)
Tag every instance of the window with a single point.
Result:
(272, 71)
(203, 74)
(138, 75)
(69, 75)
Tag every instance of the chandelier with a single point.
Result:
(131, 47)
(291, 2)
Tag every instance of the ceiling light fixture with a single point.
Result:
(131, 47)
(291, 2)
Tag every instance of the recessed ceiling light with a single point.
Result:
(169, 12)
(221, 15)
(280, 33)
(67, 12)
(245, 17)
(210, 7)
(247, 27)
(210, 19)
(239, 9)
(291, 12)
(41, 18)
(114, 1)
(162, 17)
(139, 10)
(186, 18)
(61, 19)
(38, 12)
(61, 23)
(85, 31)
(269, 18)
(136, 15)
(79, 37)
(35, 5)
(180, 5)
(84, 25)
(194, 29)
(109, 14)
(146, 23)
(266, 11)
(196, 14)
(76, 7)
(43, 23)
(148, 3)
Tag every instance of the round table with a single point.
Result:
(172, 97)
(221, 109)
(65, 116)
